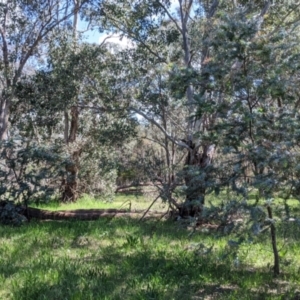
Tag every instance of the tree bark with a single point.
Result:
(274, 243)
(4, 122)
(195, 196)
(70, 184)
(66, 132)
(74, 124)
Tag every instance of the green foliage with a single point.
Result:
(80, 78)
(28, 171)
(11, 214)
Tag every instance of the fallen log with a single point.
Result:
(82, 214)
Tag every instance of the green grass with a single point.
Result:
(124, 259)
(120, 202)
(143, 202)
(121, 258)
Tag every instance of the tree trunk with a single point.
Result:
(4, 114)
(66, 132)
(195, 196)
(74, 124)
(274, 243)
(70, 184)
(70, 192)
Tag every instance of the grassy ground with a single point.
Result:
(121, 201)
(123, 259)
(126, 259)
(137, 202)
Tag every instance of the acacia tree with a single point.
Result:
(257, 123)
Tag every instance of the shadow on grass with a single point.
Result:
(117, 275)
(130, 269)
(73, 228)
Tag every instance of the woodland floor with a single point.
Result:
(113, 258)
(122, 258)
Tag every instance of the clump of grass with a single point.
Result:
(125, 259)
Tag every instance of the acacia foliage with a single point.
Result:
(253, 69)
(28, 171)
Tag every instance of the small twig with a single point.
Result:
(104, 40)
(129, 201)
(148, 208)
(164, 214)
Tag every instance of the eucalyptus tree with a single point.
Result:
(168, 52)
(86, 80)
(104, 124)
(26, 27)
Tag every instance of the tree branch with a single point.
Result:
(187, 13)
(213, 9)
(152, 121)
(170, 16)
(44, 30)
(283, 19)
(135, 38)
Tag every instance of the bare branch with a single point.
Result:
(103, 42)
(187, 13)
(152, 121)
(213, 9)
(170, 16)
(47, 27)
(149, 208)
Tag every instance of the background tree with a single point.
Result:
(165, 53)
(25, 28)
